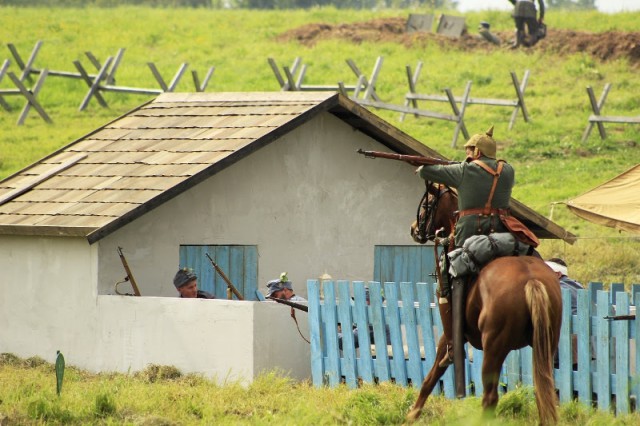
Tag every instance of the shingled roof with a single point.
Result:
(119, 172)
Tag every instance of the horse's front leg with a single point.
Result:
(430, 381)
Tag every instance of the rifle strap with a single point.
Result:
(293, 315)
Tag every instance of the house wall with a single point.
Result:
(308, 201)
(49, 302)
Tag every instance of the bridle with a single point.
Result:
(425, 216)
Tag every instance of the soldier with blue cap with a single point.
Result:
(282, 288)
(186, 282)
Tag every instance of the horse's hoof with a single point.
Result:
(413, 415)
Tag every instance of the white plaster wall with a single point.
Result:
(48, 302)
(220, 339)
(47, 295)
(308, 201)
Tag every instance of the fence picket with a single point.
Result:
(583, 330)
(425, 314)
(564, 376)
(603, 376)
(621, 337)
(348, 345)
(317, 356)
(360, 317)
(399, 370)
(414, 358)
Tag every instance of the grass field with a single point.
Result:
(162, 396)
(552, 164)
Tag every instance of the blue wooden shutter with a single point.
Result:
(412, 264)
(239, 264)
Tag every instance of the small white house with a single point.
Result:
(262, 182)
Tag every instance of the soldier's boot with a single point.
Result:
(446, 315)
(519, 41)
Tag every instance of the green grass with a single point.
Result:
(163, 396)
(551, 162)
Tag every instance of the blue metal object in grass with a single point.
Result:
(59, 372)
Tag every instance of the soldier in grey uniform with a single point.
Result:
(524, 13)
(186, 282)
(480, 202)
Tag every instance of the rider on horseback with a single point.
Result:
(484, 187)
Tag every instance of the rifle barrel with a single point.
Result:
(298, 306)
(413, 159)
(230, 285)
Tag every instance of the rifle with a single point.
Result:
(412, 159)
(129, 276)
(230, 286)
(298, 306)
(620, 317)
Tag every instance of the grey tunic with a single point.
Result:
(474, 185)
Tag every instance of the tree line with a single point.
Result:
(277, 4)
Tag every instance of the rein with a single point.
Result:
(426, 222)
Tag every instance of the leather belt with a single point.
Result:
(483, 212)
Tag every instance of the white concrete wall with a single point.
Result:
(308, 201)
(48, 302)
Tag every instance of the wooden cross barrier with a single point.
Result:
(369, 85)
(457, 116)
(604, 335)
(411, 107)
(293, 78)
(201, 86)
(28, 68)
(29, 94)
(517, 104)
(596, 118)
(96, 86)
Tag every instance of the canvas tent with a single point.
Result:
(615, 203)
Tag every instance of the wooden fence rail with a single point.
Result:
(604, 372)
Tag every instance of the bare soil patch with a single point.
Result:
(603, 46)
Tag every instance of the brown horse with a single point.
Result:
(514, 302)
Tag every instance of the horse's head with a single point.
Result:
(435, 212)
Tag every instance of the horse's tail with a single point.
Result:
(543, 351)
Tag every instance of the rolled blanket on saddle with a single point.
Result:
(479, 250)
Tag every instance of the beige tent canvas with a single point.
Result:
(615, 203)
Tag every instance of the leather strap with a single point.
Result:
(496, 174)
(482, 211)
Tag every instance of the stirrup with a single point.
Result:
(448, 358)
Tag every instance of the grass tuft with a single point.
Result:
(154, 373)
(517, 404)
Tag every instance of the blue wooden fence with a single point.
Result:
(605, 373)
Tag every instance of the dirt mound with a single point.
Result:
(604, 46)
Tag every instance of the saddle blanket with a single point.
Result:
(479, 250)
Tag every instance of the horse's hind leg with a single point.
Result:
(430, 381)
(491, 367)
